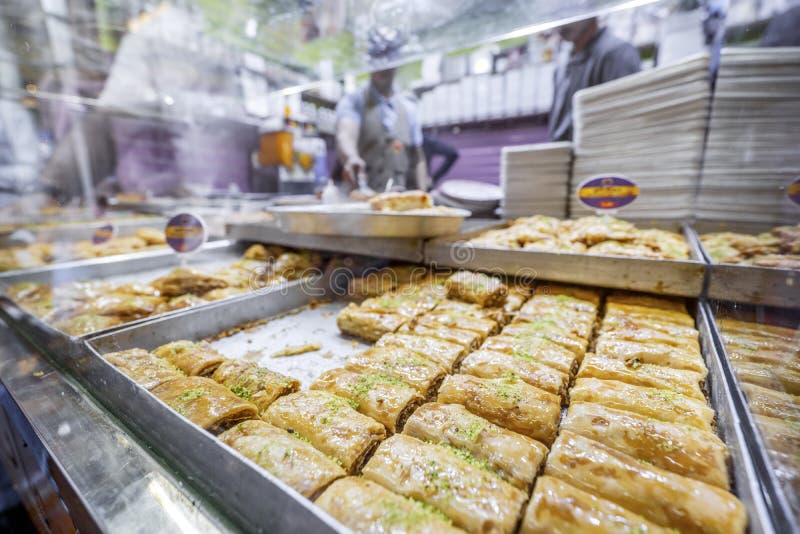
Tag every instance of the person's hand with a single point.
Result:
(352, 167)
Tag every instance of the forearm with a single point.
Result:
(347, 140)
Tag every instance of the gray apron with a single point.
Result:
(388, 155)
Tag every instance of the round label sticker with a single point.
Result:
(104, 233)
(607, 192)
(185, 232)
(793, 191)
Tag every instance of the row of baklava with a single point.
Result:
(605, 236)
(780, 247)
(258, 412)
(328, 418)
(637, 410)
(422, 336)
(80, 308)
(636, 450)
(766, 360)
(473, 455)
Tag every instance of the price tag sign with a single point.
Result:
(607, 192)
(186, 232)
(104, 233)
(793, 191)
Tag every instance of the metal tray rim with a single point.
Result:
(9, 308)
(156, 408)
(715, 362)
(108, 260)
(744, 470)
(723, 275)
(460, 239)
(329, 210)
(685, 278)
(779, 508)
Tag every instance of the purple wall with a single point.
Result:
(479, 148)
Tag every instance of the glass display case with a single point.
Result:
(364, 265)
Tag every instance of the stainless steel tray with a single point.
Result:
(293, 321)
(125, 268)
(255, 498)
(357, 219)
(76, 231)
(669, 277)
(405, 249)
(748, 283)
(746, 476)
(778, 507)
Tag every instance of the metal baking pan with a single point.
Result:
(750, 284)
(358, 220)
(121, 269)
(253, 497)
(683, 278)
(295, 317)
(75, 231)
(777, 504)
(404, 249)
(746, 475)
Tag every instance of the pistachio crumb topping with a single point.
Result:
(471, 430)
(366, 382)
(242, 392)
(466, 456)
(396, 515)
(192, 394)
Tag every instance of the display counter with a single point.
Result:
(290, 327)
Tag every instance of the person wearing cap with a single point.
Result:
(378, 132)
(596, 57)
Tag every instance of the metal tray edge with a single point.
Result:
(8, 277)
(746, 481)
(778, 509)
(244, 486)
(455, 251)
(404, 249)
(724, 277)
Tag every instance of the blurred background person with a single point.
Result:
(378, 131)
(596, 57)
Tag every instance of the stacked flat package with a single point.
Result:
(649, 127)
(752, 150)
(535, 179)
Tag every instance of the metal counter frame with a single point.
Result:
(253, 498)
